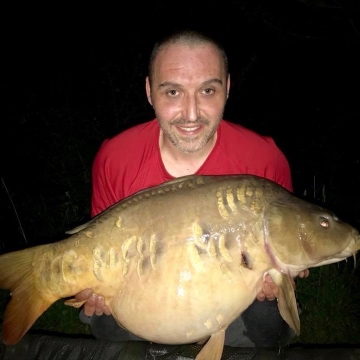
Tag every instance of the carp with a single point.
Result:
(178, 262)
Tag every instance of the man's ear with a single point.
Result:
(228, 86)
(148, 90)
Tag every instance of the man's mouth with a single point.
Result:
(189, 129)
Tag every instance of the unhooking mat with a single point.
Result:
(54, 347)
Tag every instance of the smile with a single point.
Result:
(190, 129)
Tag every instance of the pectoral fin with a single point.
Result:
(286, 299)
(214, 347)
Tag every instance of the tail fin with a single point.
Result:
(27, 303)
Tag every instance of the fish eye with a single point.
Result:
(324, 222)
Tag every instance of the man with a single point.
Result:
(188, 86)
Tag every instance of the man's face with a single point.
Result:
(189, 90)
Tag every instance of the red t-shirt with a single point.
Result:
(131, 161)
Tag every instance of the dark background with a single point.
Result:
(74, 76)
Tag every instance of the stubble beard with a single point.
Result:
(190, 144)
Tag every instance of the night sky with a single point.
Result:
(72, 78)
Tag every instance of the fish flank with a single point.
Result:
(142, 253)
(69, 273)
(129, 242)
(220, 319)
(113, 258)
(208, 324)
(194, 256)
(198, 236)
(88, 233)
(226, 271)
(125, 267)
(245, 261)
(52, 270)
(223, 249)
(140, 267)
(222, 204)
(98, 270)
(118, 222)
(231, 200)
(152, 251)
(228, 201)
(211, 249)
(140, 262)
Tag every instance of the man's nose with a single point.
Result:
(191, 108)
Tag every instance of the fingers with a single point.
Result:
(94, 304)
(100, 307)
(98, 302)
(261, 296)
(89, 306)
(106, 310)
(304, 274)
(84, 295)
(269, 289)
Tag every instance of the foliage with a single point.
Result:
(329, 300)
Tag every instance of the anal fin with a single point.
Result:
(74, 303)
(213, 348)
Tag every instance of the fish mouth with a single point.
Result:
(352, 250)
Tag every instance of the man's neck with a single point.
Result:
(178, 163)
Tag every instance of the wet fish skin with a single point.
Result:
(177, 263)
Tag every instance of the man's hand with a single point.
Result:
(94, 304)
(304, 274)
(269, 289)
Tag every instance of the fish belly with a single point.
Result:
(183, 304)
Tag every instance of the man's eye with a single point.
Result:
(208, 91)
(172, 92)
